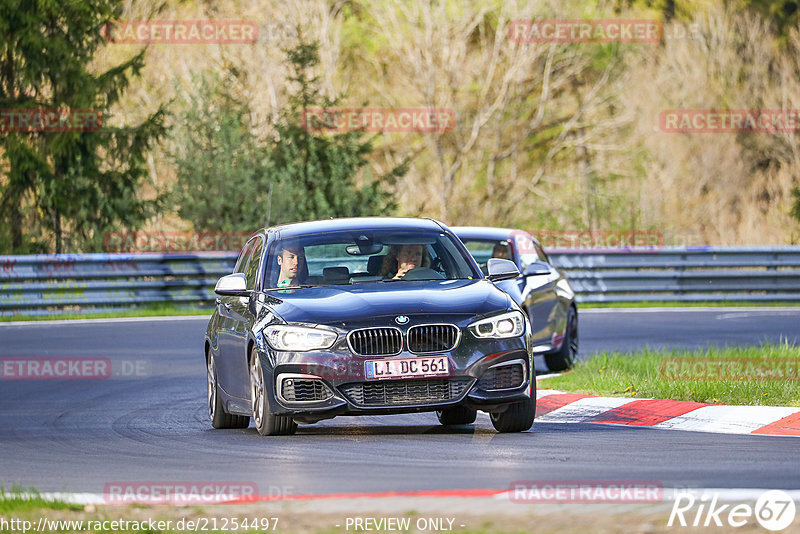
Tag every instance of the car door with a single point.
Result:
(242, 318)
(228, 307)
(537, 290)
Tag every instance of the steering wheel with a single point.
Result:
(423, 273)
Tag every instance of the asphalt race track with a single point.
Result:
(79, 435)
(632, 329)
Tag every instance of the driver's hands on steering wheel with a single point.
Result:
(403, 269)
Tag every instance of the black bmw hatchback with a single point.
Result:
(366, 316)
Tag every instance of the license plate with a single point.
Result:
(406, 368)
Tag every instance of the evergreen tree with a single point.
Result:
(795, 210)
(230, 181)
(62, 190)
(783, 14)
(223, 179)
(323, 167)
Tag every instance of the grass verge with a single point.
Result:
(18, 500)
(698, 304)
(766, 375)
(143, 311)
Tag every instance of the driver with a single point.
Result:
(290, 258)
(402, 258)
(500, 250)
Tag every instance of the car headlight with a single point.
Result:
(510, 324)
(298, 338)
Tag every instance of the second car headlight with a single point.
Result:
(298, 338)
(510, 324)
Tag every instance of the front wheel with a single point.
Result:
(565, 357)
(517, 418)
(266, 423)
(457, 415)
(216, 411)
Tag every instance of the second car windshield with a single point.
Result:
(339, 258)
(484, 249)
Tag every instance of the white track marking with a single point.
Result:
(723, 494)
(727, 419)
(582, 409)
(548, 375)
(545, 392)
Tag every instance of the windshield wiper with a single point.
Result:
(301, 286)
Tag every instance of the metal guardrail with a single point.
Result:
(76, 283)
(80, 283)
(686, 274)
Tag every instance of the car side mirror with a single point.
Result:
(232, 285)
(500, 269)
(537, 268)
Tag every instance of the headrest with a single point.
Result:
(336, 274)
(375, 263)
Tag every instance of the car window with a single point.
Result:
(484, 249)
(243, 256)
(526, 248)
(251, 271)
(540, 251)
(367, 256)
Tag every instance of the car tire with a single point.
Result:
(216, 411)
(266, 423)
(457, 415)
(518, 417)
(564, 358)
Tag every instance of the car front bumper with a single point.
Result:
(349, 392)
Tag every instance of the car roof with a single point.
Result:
(356, 224)
(482, 232)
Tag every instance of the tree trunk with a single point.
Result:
(669, 10)
(58, 232)
(15, 224)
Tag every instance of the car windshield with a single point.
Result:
(339, 258)
(484, 249)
